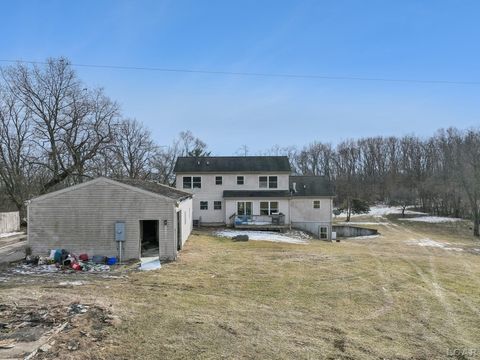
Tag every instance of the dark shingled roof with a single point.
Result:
(156, 188)
(232, 164)
(255, 193)
(311, 186)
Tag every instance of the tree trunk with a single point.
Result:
(476, 223)
(349, 209)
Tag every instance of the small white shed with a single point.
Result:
(100, 216)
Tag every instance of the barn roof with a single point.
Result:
(141, 185)
(217, 164)
(156, 188)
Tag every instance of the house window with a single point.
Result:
(268, 207)
(197, 182)
(217, 205)
(240, 180)
(263, 181)
(268, 182)
(263, 207)
(273, 207)
(192, 181)
(187, 182)
(272, 182)
(203, 205)
(323, 232)
(316, 204)
(218, 180)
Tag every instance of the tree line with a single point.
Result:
(440, 174)
(56, 132)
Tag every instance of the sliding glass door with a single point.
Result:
(244, 208)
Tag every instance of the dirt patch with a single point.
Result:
(35, 331)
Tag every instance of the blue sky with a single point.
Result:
(424, 40)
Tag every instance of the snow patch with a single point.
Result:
(4, 235)
(294, 237)
(150, 263)
(72, 283)
(361, 223)
(383, 210)
(433, 243)
(364, 237)
(432, 219)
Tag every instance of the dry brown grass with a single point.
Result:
(357, 299)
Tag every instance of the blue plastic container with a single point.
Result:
(111, 261)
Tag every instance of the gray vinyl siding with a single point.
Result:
(82, 220)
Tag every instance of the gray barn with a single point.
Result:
(94, 217)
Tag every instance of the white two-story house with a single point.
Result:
(255, 192)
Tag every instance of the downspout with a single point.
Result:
(289, 214)
(28, 223)
(331, 218)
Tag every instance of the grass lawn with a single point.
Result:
(376, 298)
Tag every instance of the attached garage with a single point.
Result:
(108, 217)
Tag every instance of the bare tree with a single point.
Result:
(186, 144)
(69, 123)
(242, 150)
(134, 149)
(192, 146)
(17, 169)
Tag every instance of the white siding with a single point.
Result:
(82, 220)
(211, 192)
(303, 216)
(9, 222)
(302, 210)
(185, 207)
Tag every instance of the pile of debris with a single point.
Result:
(32, 331)
(63, 260)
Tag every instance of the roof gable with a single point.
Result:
(155, 189)
(215, 164)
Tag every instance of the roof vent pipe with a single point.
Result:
(294, 187)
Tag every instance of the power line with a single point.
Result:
(254, 74)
